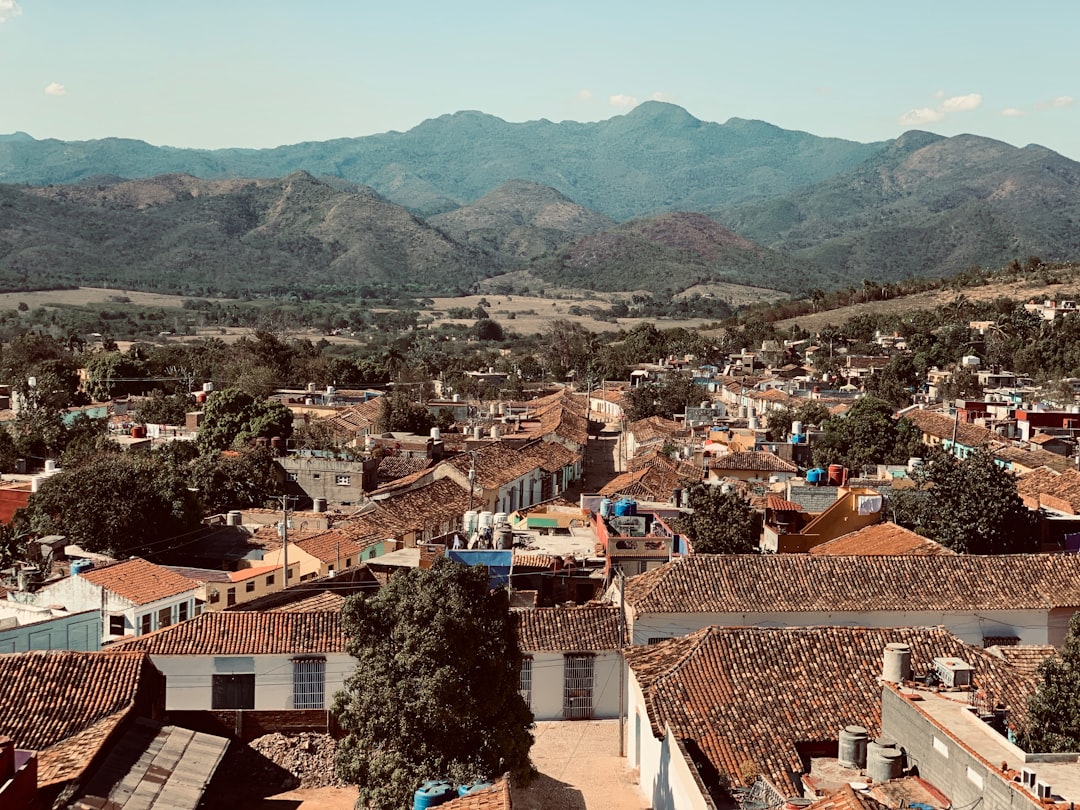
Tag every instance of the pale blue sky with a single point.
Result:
(240, 73)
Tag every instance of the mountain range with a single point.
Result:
(655, 199)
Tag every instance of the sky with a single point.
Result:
(240, 73)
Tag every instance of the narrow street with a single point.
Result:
(602, 461)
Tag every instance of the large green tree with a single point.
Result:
(971, 506)
(868, 435)
(669, 396)
(1053, 719)
(249, 478)
(116, 504)
(721, 522)
(232, 416)
(435, 691)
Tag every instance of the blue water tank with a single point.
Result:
(431, 794)
(605, 508)
(625, 508)
(78, 566)
(797, 438)
(815, 476)
(472, 787)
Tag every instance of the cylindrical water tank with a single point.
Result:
(330, 390)
(487, 519)
(50, 465)
(432, 794)
(234, 518)
(318, 504)
(201, 397)
(436, 434)
(704, 403)
(477, 432)
(852, 753)
(742, 411)
(207, 387)
(753, 423)
(456, 398)
(501, 517)
(470, 521)
(312, 388)
(884, 764)
(504, 536)
(472, 787)
(138, 431)
(369, 442)
(896, 665)
(495, 431)
(796, 428)
(605, 508)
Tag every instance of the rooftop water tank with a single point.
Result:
(884, 764)
(50, 465)
(432, 794)
(501, 517)
(436, 434)
(318, 504)
(472, 787)
(487, 519)
(852, 752)
(207, 387)
(470, 521)
(796, 428)
(625, 508)
(896, 665)
(234, 518)
(78, 566)
(605, 508)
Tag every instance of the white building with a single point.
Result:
(250, 660)
(984, 600)
(572, 661)
(135, 596)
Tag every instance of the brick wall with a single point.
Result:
(246, 725)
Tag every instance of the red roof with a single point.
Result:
(139, 581)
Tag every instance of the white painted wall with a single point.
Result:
(189, 679)
(547, 685)
(1031, 626)
(666, 779)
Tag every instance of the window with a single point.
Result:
(182, 612)
(525, 681)
(116, 625)
(213, 595)
(348, 562)
(164, 617)
(656, 639)
(249, 586)
(146, 623)
(269, 579)
(316, 476)
(343, 480)
(234, 691)
(578, 687)
(230, 597)
(309, 683)
(291, 477)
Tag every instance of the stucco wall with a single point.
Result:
(1031, 626)
(548, 671)
(81, 631)
(189, 678)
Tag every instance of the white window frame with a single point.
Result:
(525, 680)
(309, 682)
(343, 480)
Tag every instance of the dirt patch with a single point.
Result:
(90, 295)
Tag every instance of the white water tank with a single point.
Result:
(970, 361)
(207, 387)
(234, 518)
(470, 521)
(495, 432)
(50, 465)
(436, 435)
(501, 517)
(753, 423)
(796, 429)
(477, 432)
(487, 520)
(369, 441)
(318, 504)
(896, 665)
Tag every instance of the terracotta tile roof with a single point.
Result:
(355, 420)
(1045, 438)
(49, 696)
(1031, 459)
(138, 581)
(778, 504)
(586, 628)
(246, 633)
(551, 456)
(748, 583)
(70, 757)
(744, 693)
(523, 560)
(497, 464)
(1045, 487)
(654, 480)
(752, 461)
(316, 603)
(426, 507)
(847, 799)
(497, 797)
(403, 483)
(1025, 657)
(330, 546)
(656, 428)
(941, 426)
(393, 467)
(881, 539)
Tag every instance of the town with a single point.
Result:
(784, 591)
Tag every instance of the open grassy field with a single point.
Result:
(1023, 290)
(88, 295)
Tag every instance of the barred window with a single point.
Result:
(309, 683)
(525, 681)
(343, 480)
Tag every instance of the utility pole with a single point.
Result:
(285, 541)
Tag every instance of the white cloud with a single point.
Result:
(584, 95)
(662, 96)
(922, 115)
(939, 94)
(8, 10)
(1063, 101)
(622, 101)
(1012, 112)
(971, 101)
(55, 89)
